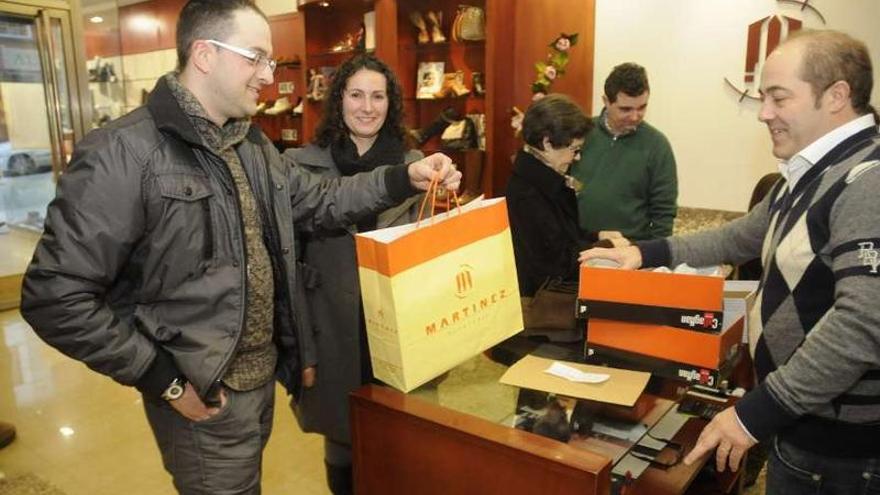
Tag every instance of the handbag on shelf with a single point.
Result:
(460, 135)
(551, 311)
(469, 24)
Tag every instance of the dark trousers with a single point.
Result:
(793, 471)
(221, 455)
(337, 459)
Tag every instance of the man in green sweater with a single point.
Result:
(627, 169)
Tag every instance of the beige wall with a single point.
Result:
(688, 47)
(277, 7)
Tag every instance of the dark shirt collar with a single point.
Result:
(544, 178)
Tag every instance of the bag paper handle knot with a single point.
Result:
(433, 187)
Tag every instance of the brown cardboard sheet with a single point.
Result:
(623, 387)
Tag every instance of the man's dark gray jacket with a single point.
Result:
(141, 270)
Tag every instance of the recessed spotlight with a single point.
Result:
(323, 4)
(66, 431)
(96, 19)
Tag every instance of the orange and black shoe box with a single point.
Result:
(713, 377)
(694, 348)
(668, 316)
(693, 302)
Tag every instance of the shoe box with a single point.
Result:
(616, 358)
(683, 318)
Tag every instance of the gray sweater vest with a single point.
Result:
(815, 326)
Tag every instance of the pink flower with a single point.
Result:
(550, 72)
(538, 96)
(563, 44)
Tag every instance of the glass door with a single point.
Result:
(40, 119)
(58, 45)
(39, 112)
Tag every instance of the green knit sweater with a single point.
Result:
(629, 182)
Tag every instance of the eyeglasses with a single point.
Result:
(256, 58)
(575, 149)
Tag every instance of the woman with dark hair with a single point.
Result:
(361, 129)
(541, 201)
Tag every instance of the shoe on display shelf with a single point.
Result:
(419, 22)
(436, 20)
(281, 105)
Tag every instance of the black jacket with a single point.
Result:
(334, 299)
(140, 272)
(543, 224)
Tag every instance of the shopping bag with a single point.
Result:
(438, 293)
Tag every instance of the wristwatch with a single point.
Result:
(175, 389)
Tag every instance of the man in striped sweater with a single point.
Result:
(815, 327)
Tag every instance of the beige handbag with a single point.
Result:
(460, 135)
(469, 24)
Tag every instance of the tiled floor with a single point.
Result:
(111, 450)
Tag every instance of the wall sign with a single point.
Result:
(764, 36)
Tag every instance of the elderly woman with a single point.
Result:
(541, 198)
(361, 129)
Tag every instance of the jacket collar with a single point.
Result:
(544, 178)
(170, 118)
(255, 135)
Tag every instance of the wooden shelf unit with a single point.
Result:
(289, 50)
(517, 35)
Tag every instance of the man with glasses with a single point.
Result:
(168, 258)
(814, 329)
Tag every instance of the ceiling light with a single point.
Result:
(324, 4)
(66, 431)
(96, 19)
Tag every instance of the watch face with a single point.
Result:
(174, 391)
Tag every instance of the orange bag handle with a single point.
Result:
(432, 192)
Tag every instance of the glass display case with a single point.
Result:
(465, 432)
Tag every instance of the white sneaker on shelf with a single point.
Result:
(298, 109)
(281, 105)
